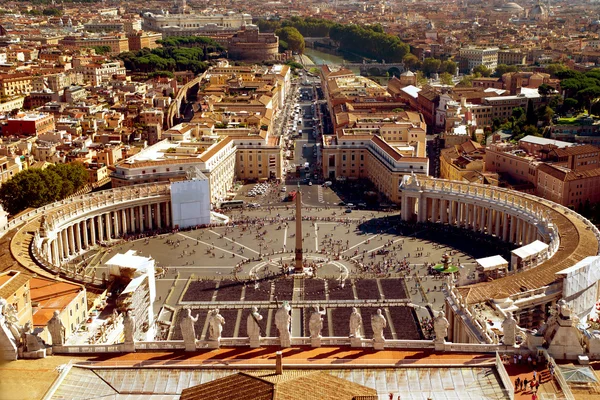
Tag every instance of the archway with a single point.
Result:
(373, 71)
(394, 71)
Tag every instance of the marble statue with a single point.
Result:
(355, 323)
(440, 327)
(315, 324)
(378, 324)
(128, 327)
(283, 322)
(215, 325)
(252, 324)
(509, 328)
(31, 341)
(57, 330)
(188, 331)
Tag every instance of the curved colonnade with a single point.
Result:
(512, 216)
(51, 236)
(55, 234)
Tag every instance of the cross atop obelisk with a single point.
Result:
(298, 265)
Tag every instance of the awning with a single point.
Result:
(532, 249)
(491, 263)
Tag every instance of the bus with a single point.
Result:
(232, 204)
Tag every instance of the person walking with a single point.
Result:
(525, 382)
(517, 384)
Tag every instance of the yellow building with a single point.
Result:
(69, 299)
(15, 289)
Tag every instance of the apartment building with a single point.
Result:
(96, 74)
(471, 57)
(511, 57)
(118, 43)
(15, 84)
(32, 124)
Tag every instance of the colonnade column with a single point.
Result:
(100, 228)
(482, 219)
(141, 219)
(158, 216)
(168, 214)
(131, 219)
(78, 235)
(124, 221)
(434, 210)
(108, 221)
(71, 238)
(444, 205)
(115, 215)
(93, 230)
(498, 222)
(513, 227)
(149, 217)
(452, 212)
(86, 242)
(505, 227)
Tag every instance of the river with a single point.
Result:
(319, 58)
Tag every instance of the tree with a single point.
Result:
(531, 116)
(52, 12)
(545, 113)
(446, 78)
(411, 61)
(292, 37)
(430, 66)
(517, 113)
(466, 81)
(448, 66)
(502, 69)
(421, 79)
(570, 104)
(100, 50)
(35, 187)
(483, 70)
(545, 90)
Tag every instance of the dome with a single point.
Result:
(512, 7)
(538, 9)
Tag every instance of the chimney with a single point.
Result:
(278, 363)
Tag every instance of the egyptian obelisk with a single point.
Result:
(298, 267)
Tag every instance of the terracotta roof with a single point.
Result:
(239, 386)
(214, 149)
(575, 150)
(290, 385)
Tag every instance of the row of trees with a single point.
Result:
(206, 43)
(36, 187)
(582, 90)
(165, 59)
(307, 26)
(369, 41)
(290, 39)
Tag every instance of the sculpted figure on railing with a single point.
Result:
(188, 330)
(128, 327)
(378, 323)
(440, 327)
(215, 325)
(283, 322)
(253, 327)
(355, 323)
(57, 330)
(509, 329)
(315, 325)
